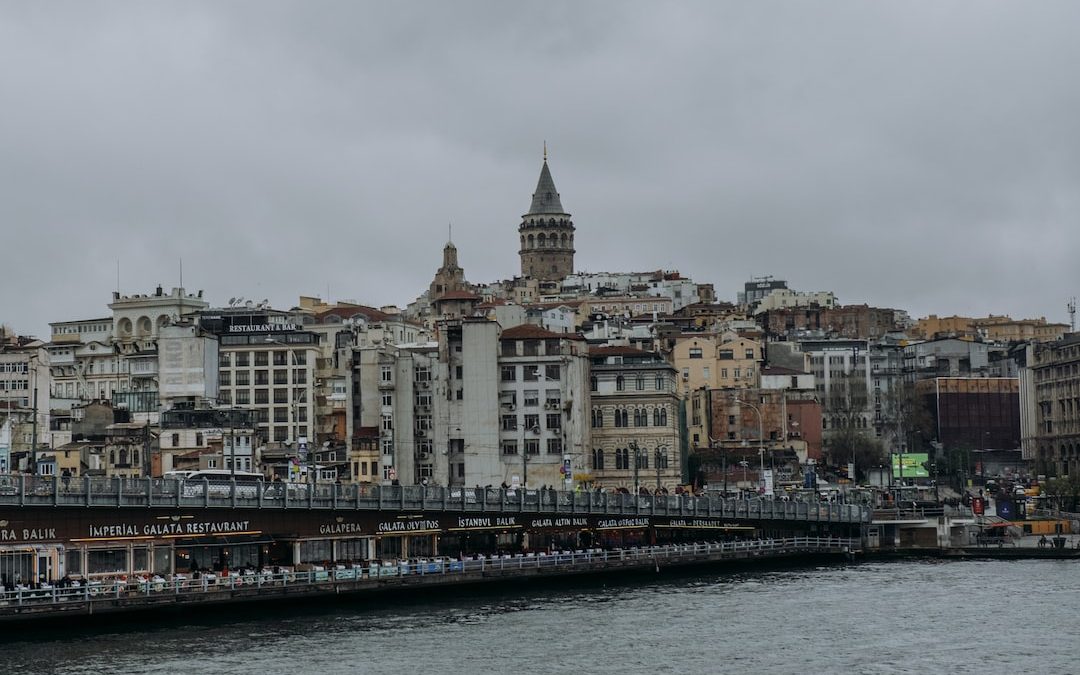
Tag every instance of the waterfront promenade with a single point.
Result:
(150, 592)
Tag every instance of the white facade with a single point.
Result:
(782, 298)
(187, 364)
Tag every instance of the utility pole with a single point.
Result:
(147, 465)
(33, 421)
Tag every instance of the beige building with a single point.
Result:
(712, 361)
(634, 419)
(993, 328)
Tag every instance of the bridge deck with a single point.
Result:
(30, 491)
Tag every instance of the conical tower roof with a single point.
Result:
(546, 198)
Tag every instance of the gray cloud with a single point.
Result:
(922, 156)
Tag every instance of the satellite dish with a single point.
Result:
(231, 301)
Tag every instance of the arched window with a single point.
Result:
(640, 383)
(592, 383)
(597, 417)
(564, 240)
(641, 417)
(541, 240)
(598, 459)
(532, 242)
(659, 417)
(620, 383)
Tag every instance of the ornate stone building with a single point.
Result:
(547, 233)
(634, 419)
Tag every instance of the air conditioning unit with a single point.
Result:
(511, 407)
(420, 433)
(425, 385)
(425, 408)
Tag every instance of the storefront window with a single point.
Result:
(140, 559)
(243, 556)
(314, 551)
(162, 557)
(420, 547)
(108, 561)
(352, 550)
(389, 548)
(16, 568)
(73, 561)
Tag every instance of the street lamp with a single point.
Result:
(637, 464)
(761, 435)
(525, 456)
(311, 466)
(661, 451)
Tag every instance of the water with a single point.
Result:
(911, 616)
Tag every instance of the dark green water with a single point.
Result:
(895, 617)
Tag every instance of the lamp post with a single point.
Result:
(723, 461)
(637, 464)
(312, 466)
(761, 440)
(525, 456)
(661, 451)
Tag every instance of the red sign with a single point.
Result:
(978, 506)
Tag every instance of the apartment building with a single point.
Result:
(634, 415)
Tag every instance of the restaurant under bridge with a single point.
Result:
(105, 529)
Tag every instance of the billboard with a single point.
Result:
(910, 465)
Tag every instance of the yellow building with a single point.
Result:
(715, 361)
(994, 328)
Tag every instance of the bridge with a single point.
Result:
(144, 493)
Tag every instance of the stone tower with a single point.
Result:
(547, 233)
(450, 276)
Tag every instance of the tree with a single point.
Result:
(1064, 493)
(906, 422)
(847, 433)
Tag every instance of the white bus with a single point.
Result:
(219, 482)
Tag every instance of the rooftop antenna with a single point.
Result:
(181, 271)
(118, 276)
(545, 150)
(1071, 306)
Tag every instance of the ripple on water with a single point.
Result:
(877, 618)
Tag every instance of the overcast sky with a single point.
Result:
(924, 156)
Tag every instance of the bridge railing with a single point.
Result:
(160, 492)
(110, 589)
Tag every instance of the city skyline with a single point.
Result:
(907, 157)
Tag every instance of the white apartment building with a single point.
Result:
(783, 298)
